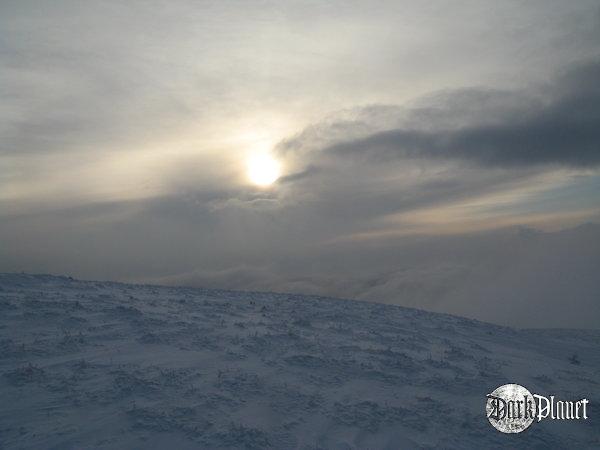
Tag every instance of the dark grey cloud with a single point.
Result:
(564, 130)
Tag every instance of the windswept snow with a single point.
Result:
(108, 365)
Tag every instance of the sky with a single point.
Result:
(439, 155)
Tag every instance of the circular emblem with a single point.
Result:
(510, 408)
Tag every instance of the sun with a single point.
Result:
(263, 169)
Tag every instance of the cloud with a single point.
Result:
(125, 130)
(564, 130)
(467, 158)
(515, 276)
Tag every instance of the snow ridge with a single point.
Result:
(88, 364)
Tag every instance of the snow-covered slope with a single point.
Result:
(108, 365)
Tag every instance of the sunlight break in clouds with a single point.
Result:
(263, 169)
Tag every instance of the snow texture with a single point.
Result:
(107, 365)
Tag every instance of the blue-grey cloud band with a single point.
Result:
(564, 131)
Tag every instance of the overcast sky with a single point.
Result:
(441, 155)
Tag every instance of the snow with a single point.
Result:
(106, 365)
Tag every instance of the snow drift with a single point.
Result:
(107, 365)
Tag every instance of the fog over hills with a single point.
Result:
(515, 276)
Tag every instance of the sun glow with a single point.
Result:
(263, 169)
